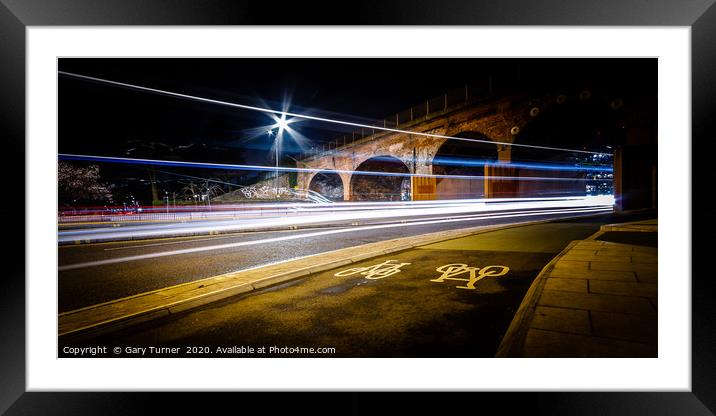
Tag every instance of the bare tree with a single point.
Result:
(199, 190)
(81, 184)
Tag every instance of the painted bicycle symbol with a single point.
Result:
(378, 271)
(449, 271)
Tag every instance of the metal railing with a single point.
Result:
(190, 212)
(433, 107)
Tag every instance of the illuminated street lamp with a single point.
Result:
(283, 125)
(275, 181)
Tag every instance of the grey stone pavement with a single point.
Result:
(597, 298)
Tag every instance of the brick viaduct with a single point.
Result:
(498, 120)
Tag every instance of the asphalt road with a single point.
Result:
(418, 306)
(95, 273)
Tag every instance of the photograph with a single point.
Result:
(357, 207)
(229, 200)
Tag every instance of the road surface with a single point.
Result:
(95, 273)
(353, 312)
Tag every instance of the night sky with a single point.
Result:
(97, 119)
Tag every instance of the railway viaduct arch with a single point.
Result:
(502, 120)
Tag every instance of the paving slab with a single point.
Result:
(567, 285)
(623, 288)
(623, 326)
(541, 343)
(562, 320)
(623, 275)
(612, 286)
(596, 302)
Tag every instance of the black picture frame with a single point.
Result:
(16, 15)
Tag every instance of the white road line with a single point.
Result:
(235, 235)
(218, 237)
(315, 234)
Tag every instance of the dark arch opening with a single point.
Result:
(328, 184)
(591, 125)
(464, 159)
(377, 187)
(582, 123)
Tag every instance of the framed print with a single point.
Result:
(398, 196)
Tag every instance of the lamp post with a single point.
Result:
(282, 125)
(276, 156)
(275, 180)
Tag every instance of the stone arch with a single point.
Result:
(393, 185)
(468, 162)
(304, 179)
(399, 146)
(329, 184)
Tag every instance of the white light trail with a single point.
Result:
(314, 118)
(319, 216)
(586, 210)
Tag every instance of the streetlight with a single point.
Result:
(282, 125)
(275, 181)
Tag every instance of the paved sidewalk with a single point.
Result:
(597, 298)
